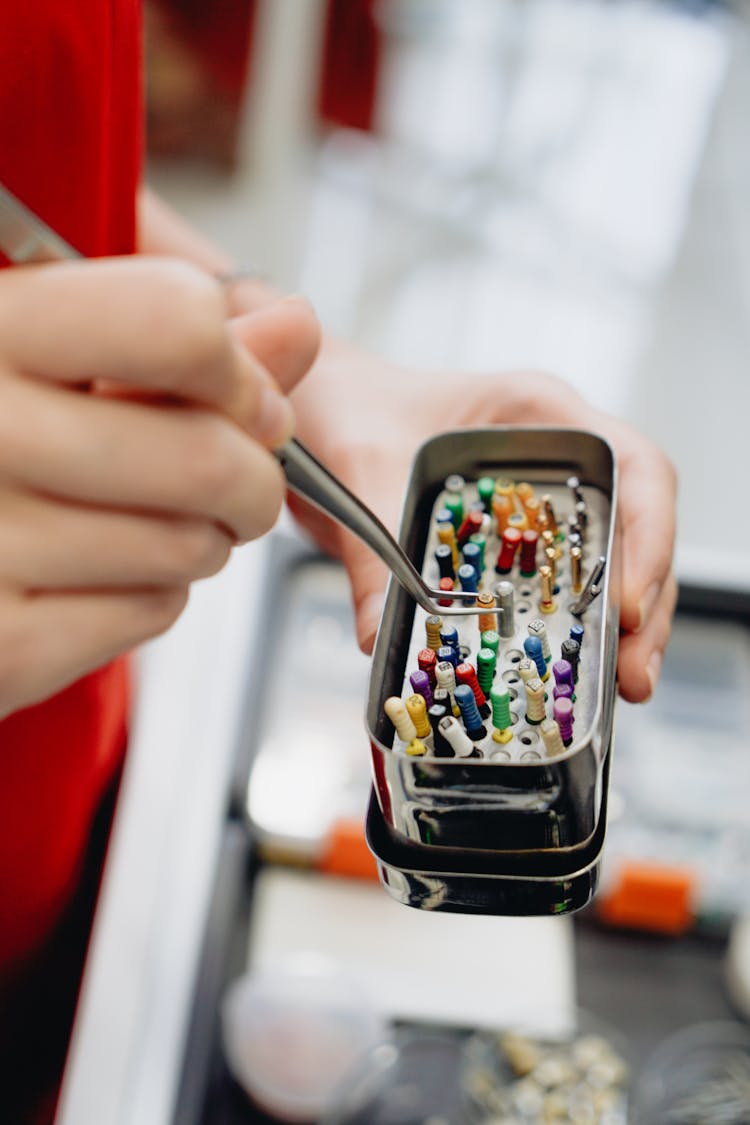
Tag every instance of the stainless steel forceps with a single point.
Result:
(312, 480)
(25, 238)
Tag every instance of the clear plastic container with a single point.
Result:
(414, 1080)
(431, 1076)
(700, 1076)
(292, 1034)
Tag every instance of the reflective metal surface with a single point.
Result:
(517, 836)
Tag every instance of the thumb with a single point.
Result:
(284, 336)
(368, 575)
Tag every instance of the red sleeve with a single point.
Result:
(71, 116)
(70, 148)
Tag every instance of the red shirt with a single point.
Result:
(70, 148)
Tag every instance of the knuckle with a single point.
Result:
(231, 481)
(162, 609)
(19, 660)
(211, 462)
(188, 313)
(273, 499)
(257, 505)
(19, 428)
(202, 550)
(190, 288)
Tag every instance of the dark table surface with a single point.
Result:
(647, 987)
(643, 987)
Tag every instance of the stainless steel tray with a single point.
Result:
(478, 833)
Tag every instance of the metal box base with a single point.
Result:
(509, 883)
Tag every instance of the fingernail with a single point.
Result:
(275, 423)
(368, 618)
(653, 668)
(647, 603)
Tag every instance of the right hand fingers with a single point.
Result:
(640, 656)
(153, 325)
(50, 640)
(141, 457)
(52, 546)
(111, 503)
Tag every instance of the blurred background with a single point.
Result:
(454, 184)
(560, 184)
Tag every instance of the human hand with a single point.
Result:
(112, 503)
(383, 413)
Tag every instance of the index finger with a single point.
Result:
(647, 507)
(155, 325)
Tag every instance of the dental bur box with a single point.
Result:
(513, 827)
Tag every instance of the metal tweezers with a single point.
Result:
(312, 480)
(25, 238)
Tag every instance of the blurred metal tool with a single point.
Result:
(592, 589)
(25, 238)
(314, 482)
